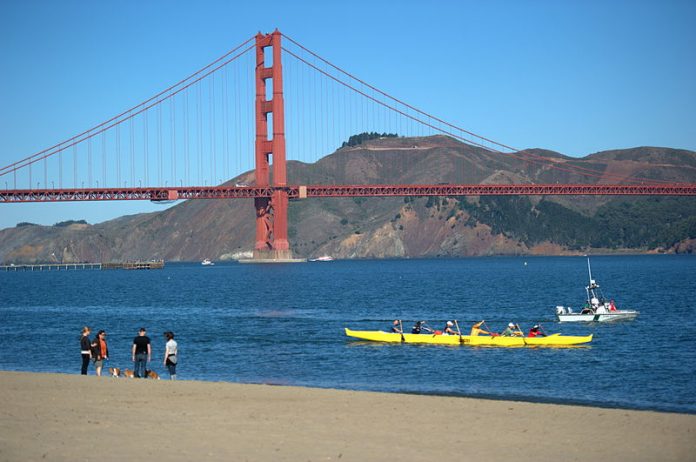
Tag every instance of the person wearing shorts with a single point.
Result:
(170, 358)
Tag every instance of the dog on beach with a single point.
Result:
(116, 372)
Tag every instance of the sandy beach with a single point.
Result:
(71, 417)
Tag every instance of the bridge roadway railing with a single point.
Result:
(309, 191)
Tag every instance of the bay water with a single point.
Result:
(283, 324)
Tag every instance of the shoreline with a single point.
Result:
(551, 401)
(590, 252)
(71, 417)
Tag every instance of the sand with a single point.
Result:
(76, 418)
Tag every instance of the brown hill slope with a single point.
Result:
(393, 227)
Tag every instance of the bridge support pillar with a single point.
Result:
(271, 214)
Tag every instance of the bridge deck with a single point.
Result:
(309, 191)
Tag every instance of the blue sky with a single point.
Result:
(576, 77)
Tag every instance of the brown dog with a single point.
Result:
(151, 374)
(114, 371)
(128, 373)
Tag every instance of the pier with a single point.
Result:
(135, 265)
(129, 265)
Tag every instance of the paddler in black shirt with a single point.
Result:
(419, 327)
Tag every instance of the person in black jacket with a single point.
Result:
(141, 353)
(85, 349)
(420, 327)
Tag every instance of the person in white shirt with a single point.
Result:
(170, 357)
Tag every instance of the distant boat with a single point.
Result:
(207, 262)
(323, 258)
(596, 309)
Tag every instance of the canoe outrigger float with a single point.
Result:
(479, 340)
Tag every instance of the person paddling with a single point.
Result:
(420, 326)
(448, 329)
(396, 327)
(511, 331)
(536, 331)
(476, 330)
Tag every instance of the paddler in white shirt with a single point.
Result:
(448, 329)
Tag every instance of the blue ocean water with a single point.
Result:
(283, 324)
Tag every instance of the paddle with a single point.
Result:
(493, 334)
(521, 334)
(401, 327)
(460, 332)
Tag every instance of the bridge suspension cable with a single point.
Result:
(128, 111)
(132, 134)
(423, 113)
(451, 129)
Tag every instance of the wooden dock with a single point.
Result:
(128, 265)
(135, 265)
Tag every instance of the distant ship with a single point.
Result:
(323, 258)
(207, 262)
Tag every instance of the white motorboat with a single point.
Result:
(597, 308)
(323, 258)
(207, 262)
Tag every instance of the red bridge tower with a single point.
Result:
(271, 212)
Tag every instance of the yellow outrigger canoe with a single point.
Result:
(481, 340)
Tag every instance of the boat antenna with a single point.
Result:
(589, 270)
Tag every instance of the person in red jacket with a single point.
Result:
(536, 331)
(100, 351)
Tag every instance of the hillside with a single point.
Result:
(404, 227)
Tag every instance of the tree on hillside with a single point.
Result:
(360, 138)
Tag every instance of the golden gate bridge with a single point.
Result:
(187, 141)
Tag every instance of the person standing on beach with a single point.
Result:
(170, 358)
(85, 349)
(100, 351)
(141, 353)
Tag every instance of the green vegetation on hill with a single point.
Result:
(360, 138)
(648, 222)
(66, 223)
